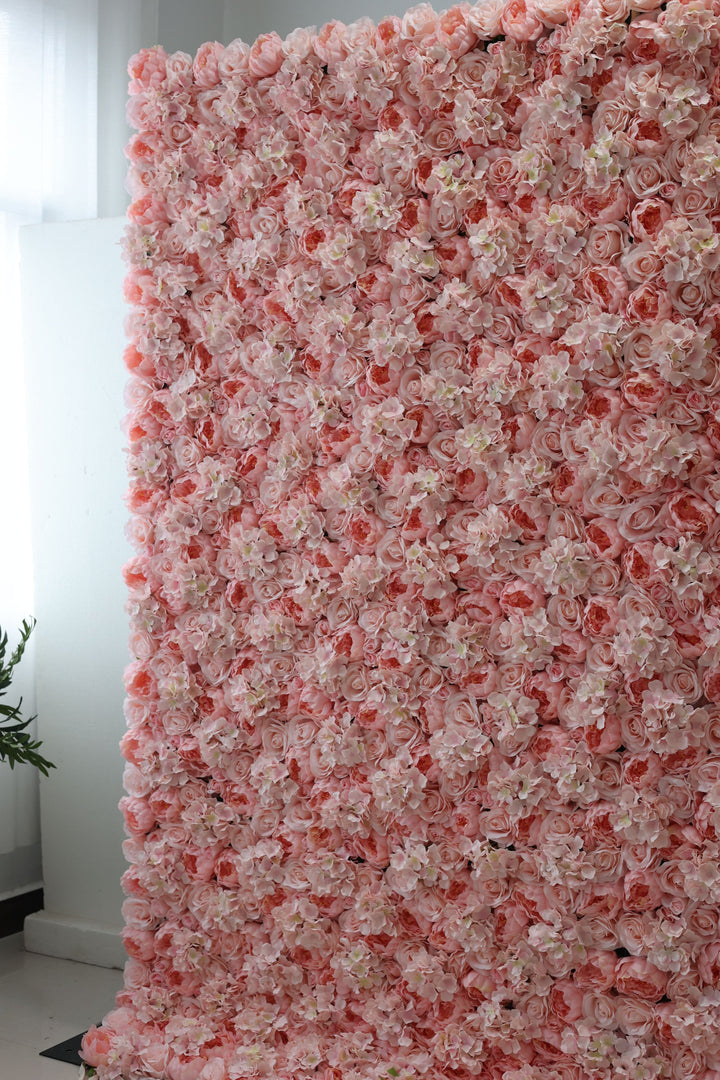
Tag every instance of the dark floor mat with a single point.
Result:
(68, 1051)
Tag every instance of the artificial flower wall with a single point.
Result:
(423, 725)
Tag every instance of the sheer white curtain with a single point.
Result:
(48, 172)
(63, 88)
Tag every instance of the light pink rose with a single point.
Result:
(601, 616)
(552, 12)
(521, 21)
(634, 1016)
(637, 977)
(642, 890)
(604, 539)
(147, 68)
(605, 243)
(266, 55)
(648, 217)
(604, 207)
(597, 972)
(600, 1009)
(520, 597)
(690, 514)
(485, 18)
(96, 1045)
(641, 263)
(185, 1068)
(606, 285)
(205, 64)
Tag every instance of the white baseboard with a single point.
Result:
(74, 939)
(10, 894)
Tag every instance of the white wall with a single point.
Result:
(247, 19)
(73, 323)
(20, 869)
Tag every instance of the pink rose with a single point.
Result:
(147, 69)
(233, 64)
(601, 616)
(266, 55)
(688, 297)
(139, 944)
(645, 176)
(711, 684)
(520, 21)
(647, 304)
(639, 978)
(603, 538)
(600, 1009)
(457, 34)
(567, 485)
(597, 972)
(642, 263)
(606, 286)
(486, 18)
(205, 64)
(565, 1001)
(552, 12)
(138, 816)
(546, 693)
(642, 771)
(185, 1068)
(709, 964)
(603, 405)
(640, 519)
(644, 391)
(606, 206)
(642, 890)
(215, 1069)
(648, 217)
(605, 242)
(330, 45)
(690, 514)
(96, 1045)
(510, 922)
(605, 739)
(634, 1016)
(639, 563)
(420, 22)
(647, 134)
(520, 598)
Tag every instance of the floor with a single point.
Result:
(44, 1001)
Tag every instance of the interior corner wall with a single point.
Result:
(73, 313)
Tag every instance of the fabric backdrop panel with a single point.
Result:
(423, 726)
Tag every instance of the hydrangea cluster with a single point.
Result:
(423, 722)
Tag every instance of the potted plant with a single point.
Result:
(16, 745)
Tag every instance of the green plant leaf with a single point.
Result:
(27, 629)
(21, 749)
(16, 745)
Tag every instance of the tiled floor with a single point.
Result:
(44, 1001)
